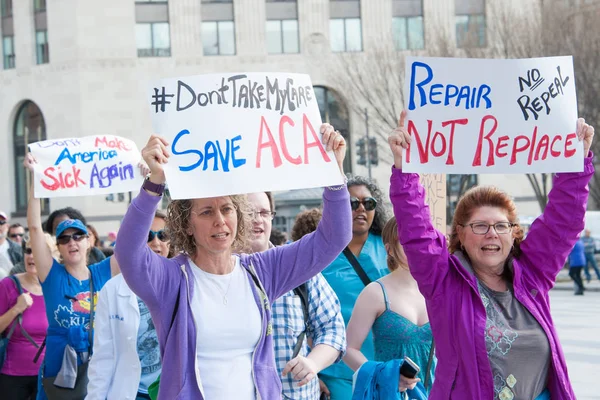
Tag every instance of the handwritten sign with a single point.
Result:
(435, 196)
(470, 116)
(241, 133)
(85, 166)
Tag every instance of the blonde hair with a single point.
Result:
(396, 257)
(50, 241)
(178, 223)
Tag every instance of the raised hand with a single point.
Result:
(156, 154)
(585, 132)
(399, 140)
(29, 161)
(333, 140)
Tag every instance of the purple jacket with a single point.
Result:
(164, 283)
(456, 312)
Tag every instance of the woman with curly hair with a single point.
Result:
(487, 287)
(211, 306)
(363, 261)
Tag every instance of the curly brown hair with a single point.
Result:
(306, 222)
(178, 222)
(481, 196)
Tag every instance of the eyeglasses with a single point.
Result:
(14, 235)
(368, 202)
(162, 235)
(481, 228)
(65, 239)
(264, 214)
(28, 251)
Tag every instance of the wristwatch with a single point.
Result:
(150, 186)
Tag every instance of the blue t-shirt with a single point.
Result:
(148, 349)
(347, 286)
(68, 308)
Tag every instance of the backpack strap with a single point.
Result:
(20, 316)
(302, 292)
(357, 267)
(429, 362)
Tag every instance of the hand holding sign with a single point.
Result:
(156, 154)
(399, 140)
(333, 140)
(29, 161)
(585, 132)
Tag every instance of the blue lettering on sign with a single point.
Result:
(215, 154)
(422, 92)
(104, 177)
(85, 156)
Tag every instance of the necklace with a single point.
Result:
(224, 293)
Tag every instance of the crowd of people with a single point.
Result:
(206, 301)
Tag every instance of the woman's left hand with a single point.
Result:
(333, 140)
(303, 369)
(585, 132)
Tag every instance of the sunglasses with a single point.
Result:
(368, 202)
(2, 221)
(163, 236)
(28, 251)
(14, 235)
(65, 239)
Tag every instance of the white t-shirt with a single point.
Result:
(227, 334)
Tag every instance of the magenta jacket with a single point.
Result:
(164, 285)
(456, 312)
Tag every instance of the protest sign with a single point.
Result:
(241, 133)
(470, 116)
(85, 166)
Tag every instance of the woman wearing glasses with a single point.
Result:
(211, 307)
(367, 251)
(67, 294)
(126, 351)
(487, 290)
(25, 316)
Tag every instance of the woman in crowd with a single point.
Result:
(367, 251)
(126, 351)
(25, 315)
(211, 307)
(487, 291)
(96, 254)
(67, 295)
(394, 309)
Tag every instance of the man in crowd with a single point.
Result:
(589, 248)
(16, 232)
(11, 251)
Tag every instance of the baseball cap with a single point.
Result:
(70, 224)
(3, 215)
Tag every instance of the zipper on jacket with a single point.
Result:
(196, 371)
(262, 300)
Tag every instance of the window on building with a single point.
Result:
(153, 39)
(282, 36)
(29, 127)
(218, 38)
(335, 112)
(407, 24)
(8, 49)
(41, 47)
(39, 5)
(470, 23)
(6, 8)
(345, 34)
(470, 31)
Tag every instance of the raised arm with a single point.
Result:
(554, 233)
(141, 267)
(37, 240)
(425, 247)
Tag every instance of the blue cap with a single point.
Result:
(70, 224)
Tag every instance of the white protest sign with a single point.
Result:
(85, 166)
(241, 133)
(470, 116)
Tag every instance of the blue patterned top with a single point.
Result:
(395, 337)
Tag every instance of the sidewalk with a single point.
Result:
(563, 282)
